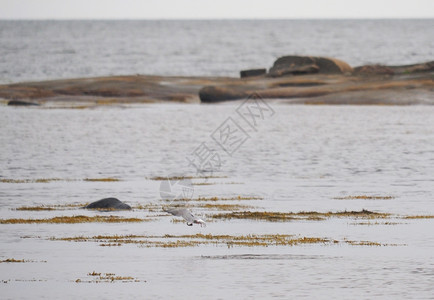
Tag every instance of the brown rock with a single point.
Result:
(373, 70)
(296, 70)
(325, 65)
(416, 68)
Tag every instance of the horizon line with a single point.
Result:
(217, 19)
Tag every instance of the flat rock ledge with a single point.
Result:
(295, 80)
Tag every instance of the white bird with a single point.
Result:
(187, 215)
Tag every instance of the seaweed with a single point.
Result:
(420, 217)
(194, 240)
(160, 178)
(96, 277)
(74, 220)
(107, 179)
(303, 215)
(234, 198)
(365, 197)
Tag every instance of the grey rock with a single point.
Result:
(308, 65)
(252, 73)
(108, 203)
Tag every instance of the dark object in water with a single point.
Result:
(252, 72)
(108, 203)
(298, 65)
(22, 103)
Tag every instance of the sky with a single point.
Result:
(214, 9)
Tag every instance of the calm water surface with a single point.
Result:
(39, 50)
(300, 159)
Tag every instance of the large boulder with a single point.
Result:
(296, 65)
(108, 203)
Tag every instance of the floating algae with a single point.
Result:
(369, 243)
(159, 178)
(289, 216)
(365, 197)
(39, 180)
(377, 223)
(176, 241)
(34, 208)
(420, 217)
(235, 198)
(12, 260)
(216, 206)
(106, 277)
(73, 220)
(107, 179)
(51, 207)
(47, 180)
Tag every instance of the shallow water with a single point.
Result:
(302, 158)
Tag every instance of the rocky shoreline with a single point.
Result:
(292, 79)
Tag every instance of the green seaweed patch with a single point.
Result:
(365, 197)
(74, 220)
(95, 277)
(290, 216)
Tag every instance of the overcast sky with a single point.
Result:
(214, 9)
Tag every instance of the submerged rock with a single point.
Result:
(108, 203)
(211, 94)
(22, 103)
(295, 65)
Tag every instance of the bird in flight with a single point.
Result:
(187, 215)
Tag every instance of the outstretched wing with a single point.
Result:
(181, 212)
(187, 215)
